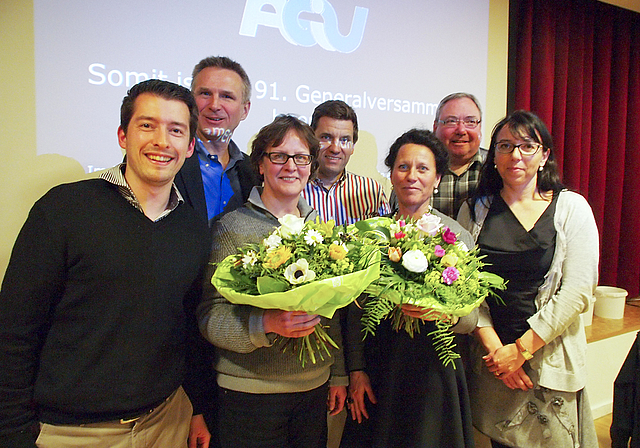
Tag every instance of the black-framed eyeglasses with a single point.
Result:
(280, 158)
(468, 122)
(526, 148)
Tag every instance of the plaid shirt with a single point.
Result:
(454, 190)
(350, 199)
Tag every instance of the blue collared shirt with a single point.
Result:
(218, 187)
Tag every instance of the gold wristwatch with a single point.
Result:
(526, 353)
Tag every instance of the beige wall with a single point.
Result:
(26, 177)
(633, 5)
(497, 59)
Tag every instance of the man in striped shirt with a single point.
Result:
(342, 196)
(334, 192)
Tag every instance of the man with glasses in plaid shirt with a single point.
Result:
(458, 124)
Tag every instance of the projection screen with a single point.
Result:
(391, 61)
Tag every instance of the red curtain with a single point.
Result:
(576, 64)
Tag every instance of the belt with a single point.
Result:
(144, 413)
(124, 421)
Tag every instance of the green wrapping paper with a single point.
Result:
(321, 297)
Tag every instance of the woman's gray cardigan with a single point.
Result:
(567, 289)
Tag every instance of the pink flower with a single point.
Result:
(450, 275)
(429, 224)
(399, 235)
(448, 236)
(402, 223)
(438, 251)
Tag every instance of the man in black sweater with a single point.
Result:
(97, 332)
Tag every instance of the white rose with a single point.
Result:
(429, 224)
(395, 227)
(290, 225)
(299, 272)
(272, 241)
(415, 261)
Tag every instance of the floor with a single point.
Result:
(602, 429)
(603, 328)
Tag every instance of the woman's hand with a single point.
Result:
(290, 324)
(419, 312)
(359, 385)
(506, 364)
(518, 380)
(504, 361)
(336, 399)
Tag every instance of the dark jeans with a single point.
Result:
(291, 420)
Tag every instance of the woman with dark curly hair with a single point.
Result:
(400, 392)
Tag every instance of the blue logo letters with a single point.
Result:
(304, 32)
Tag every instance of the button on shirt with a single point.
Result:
(217, 185)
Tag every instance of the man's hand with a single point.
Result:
(199, 436)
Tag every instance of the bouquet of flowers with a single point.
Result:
(424, 264)
(313, 267)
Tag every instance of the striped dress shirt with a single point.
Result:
(350, 199)
(115, 176)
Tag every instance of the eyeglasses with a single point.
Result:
(280, 158)
(342, 142)
(468, 122)
(526, 148)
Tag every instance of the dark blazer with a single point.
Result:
(625, 426)
(189, 183)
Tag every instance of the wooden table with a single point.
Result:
(605, 328)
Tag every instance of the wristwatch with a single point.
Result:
(525, 353)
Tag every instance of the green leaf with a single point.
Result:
(268, 285)
(493, 280)
(375, 228)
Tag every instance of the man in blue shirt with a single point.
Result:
(218, 177)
